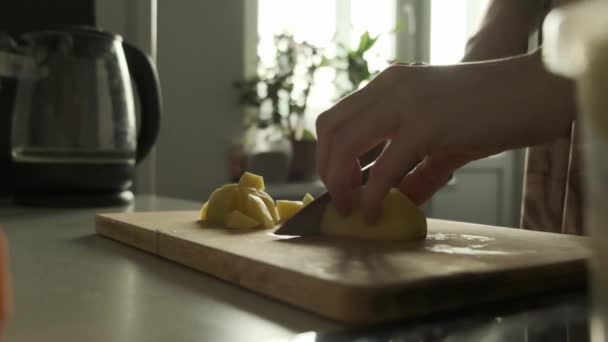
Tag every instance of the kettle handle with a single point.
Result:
(145, 75)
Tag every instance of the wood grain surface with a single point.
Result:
(459, 264)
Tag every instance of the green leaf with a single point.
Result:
(308, 135)
(399, 26)
(325, 62)
(363, 41)
(366, 42)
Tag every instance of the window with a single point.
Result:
(452, 23)
(323, 23)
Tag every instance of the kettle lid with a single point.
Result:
(80, 31)
(81, 42)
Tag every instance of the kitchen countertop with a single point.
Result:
(71, 285)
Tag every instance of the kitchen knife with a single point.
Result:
(308, 220)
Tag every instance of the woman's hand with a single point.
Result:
(444, 116)
(389, 108)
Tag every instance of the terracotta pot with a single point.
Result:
(272, 165)
(237, 162)
(303, 165)
(269, 157)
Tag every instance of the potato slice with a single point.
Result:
(238, 220)
(268, 201)
(221, 203)
(288, 208)
(250, 180)
(400, 220)
(269, 204)
(257, 210)
(307, 199)
(242, 199)
(204, 211)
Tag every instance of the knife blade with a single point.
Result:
(308, 220)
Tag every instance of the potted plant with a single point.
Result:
(352, 73)
(353, 70)
(277, 100)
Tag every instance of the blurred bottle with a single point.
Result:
(576, 46)
(8, 86)
(5, 291)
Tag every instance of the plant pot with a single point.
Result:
(269, 158)
(303, 162)
(237, 161)
(273, 166)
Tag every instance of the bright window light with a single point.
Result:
(313, 21)
(322, 22)
(452, 23)
(378, 18)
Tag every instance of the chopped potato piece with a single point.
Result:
(288, 208)
(307, 199)
(269, 204)
(268, 201)
(242, 198)
(242, 204)
(221, 203)
(250, 180)
(238, 220)
(257, 210)
(400, 220)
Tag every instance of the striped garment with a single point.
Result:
(552, 198)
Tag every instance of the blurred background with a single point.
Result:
(243, 81)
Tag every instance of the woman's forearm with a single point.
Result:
(505, 29)
(517, 94)
(529, 94)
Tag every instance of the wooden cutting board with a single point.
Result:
(459, 264)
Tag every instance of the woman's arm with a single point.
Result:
(504, 32)
(446, 115)
(505, 29)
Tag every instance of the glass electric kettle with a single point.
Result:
(74, 137)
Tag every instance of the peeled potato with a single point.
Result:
(307, 199)
(400, 220)
(250, 180)
(238, 220)
(257, 210)
(288, 208)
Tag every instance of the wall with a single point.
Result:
(200, 54)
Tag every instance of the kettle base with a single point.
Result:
(74, 200)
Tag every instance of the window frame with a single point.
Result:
(411, 45)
